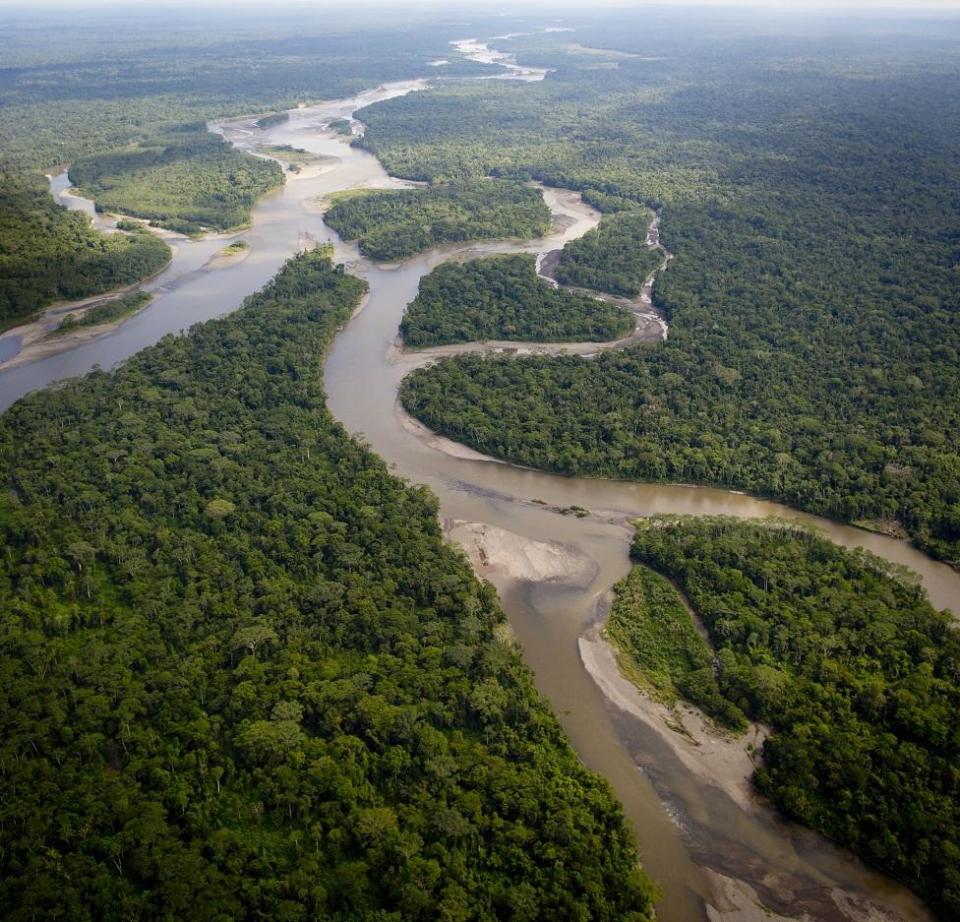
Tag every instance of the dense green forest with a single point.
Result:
(660, 648)
(185, 179)
(612, 257)
(49, 254)
(501, 297)
(392, 225)
(124, 100)
(858, 675)
(243, 676)
(812, 205)
(108, 312)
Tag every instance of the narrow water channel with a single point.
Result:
(694, 840)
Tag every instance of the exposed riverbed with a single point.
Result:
(714, 858)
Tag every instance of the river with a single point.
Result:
(709, 855)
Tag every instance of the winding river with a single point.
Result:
(713, 858)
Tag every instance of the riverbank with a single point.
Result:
(714, 757)
(497, 553)
(744, 889)
(438, 442)
(36, 341)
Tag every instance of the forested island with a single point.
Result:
(661, 649)
(48, 254)
(501, 298)
(275, 118)
(392, 225)
(842, 655)
(184, 179)
(110, 311)
(613, 257)
(243, 675)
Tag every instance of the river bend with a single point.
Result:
(713, 859)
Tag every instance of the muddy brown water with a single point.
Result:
(683, 827)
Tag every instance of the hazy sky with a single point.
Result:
(916, 6)
(819, 5)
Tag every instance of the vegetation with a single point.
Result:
(502, 298)
(108, 312)
(394, 225)
(661, 649)
(293, 156)
(843, 656)
(75, 86)
(241, 673)
(235, 248)
(125, 100)
(275, 118)
(612, 257)
(814, 349)
(186, 180)
(50, 254)
(341, 126)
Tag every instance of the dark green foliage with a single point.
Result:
(275, 118)
(393, 225)
(653, 630)
(502, 298)
(118, 90)
(50, 254)
(856, 672)
(814, 348)
(613, 257)
(341, 126)
(608, 204)
(241, 674)
(187, 180)
(107, 312)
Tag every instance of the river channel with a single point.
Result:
(713, 858)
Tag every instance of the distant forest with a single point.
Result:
(814, 211)
(125, 105)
